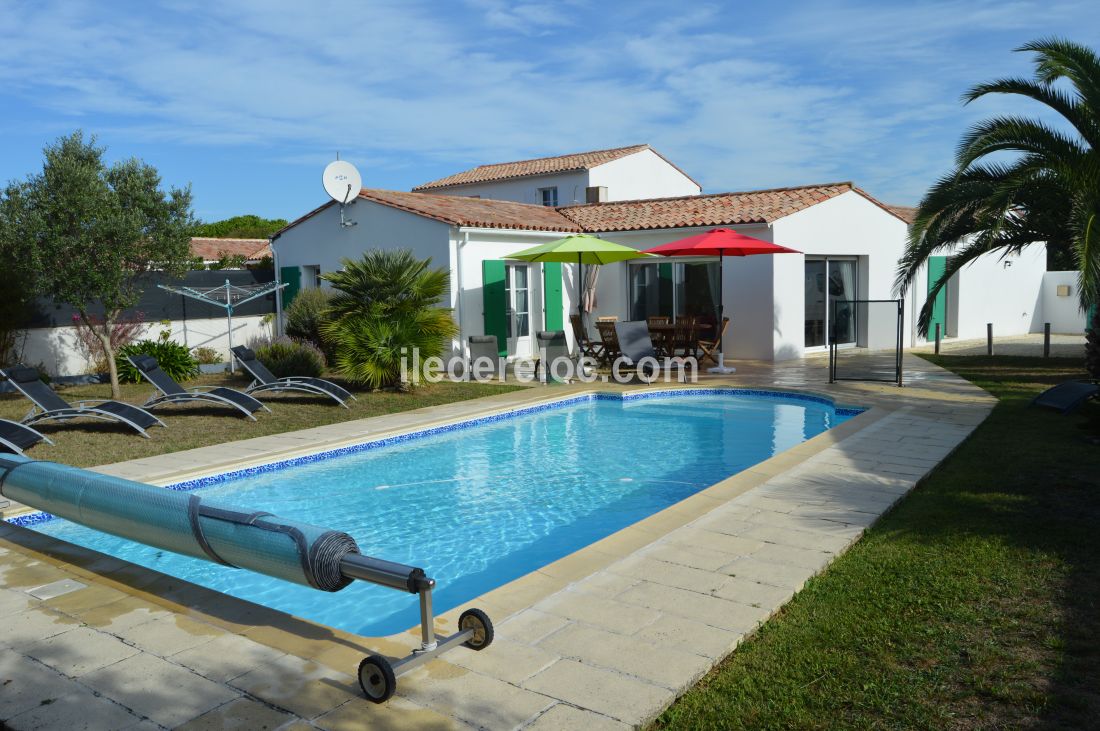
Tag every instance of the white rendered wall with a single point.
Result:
(57, 350)
(1063, 313)
(571, 186)
(988, 291)
(746, 284)
(477, 246)
(644, 174)
(321, 241)
(764, 296)
(846, 225)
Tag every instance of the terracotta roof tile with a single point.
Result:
(537, 166)
(905, 213)
(483, 212)
(714, 209)
(212, 249)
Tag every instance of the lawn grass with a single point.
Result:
(86, 443)
(975, 603)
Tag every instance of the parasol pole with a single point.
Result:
(580, 288)
(721, 368)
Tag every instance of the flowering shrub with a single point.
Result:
(123, 332)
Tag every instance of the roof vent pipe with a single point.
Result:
(595, 194)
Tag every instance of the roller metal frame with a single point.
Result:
(196, 393)
(290, 384)
(377, 674)
(81, 410)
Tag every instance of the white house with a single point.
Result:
(470, 222)
(624, 173)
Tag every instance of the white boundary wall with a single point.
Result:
(1062, 312)
(58, 349)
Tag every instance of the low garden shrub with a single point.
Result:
(207, 356)
(174, 359)
(286, 357)
(306, 314)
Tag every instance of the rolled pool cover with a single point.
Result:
(181, 522)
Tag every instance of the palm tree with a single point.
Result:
(386, 282)
(1049, 190)
(385, 307)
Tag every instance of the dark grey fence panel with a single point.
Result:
(156, 304)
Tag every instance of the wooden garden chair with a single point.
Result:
(585, 345)
(711, 348)
(660, 337)
(610, 340)
(683, 337)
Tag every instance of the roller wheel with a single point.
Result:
(376, 678)
(479, 622)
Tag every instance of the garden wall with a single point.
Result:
(52, 340)
(1062, 311)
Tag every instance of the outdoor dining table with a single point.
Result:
(664, 330)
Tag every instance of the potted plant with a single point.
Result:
(210, 360)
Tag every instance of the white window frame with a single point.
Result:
(826, 260)
(553, 192)
(311, 276)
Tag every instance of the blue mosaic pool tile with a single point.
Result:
(31, 519)
(201, 482)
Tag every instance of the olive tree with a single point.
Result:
(85, 233)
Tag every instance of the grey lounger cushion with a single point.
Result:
(1065, 397)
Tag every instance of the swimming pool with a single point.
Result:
(484, 502)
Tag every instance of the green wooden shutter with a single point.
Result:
(292, 276)
(936, 267)
(495, 302)
(551, 296)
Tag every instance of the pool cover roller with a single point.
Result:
(185, 523)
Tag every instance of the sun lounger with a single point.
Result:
(635, 345)
(265, 380)
(173, 393)
(15, 437)
(1065, 397)
(49, 406)
(552, 348)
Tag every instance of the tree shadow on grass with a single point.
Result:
(1024, 491)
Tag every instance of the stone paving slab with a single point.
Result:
(156, 689)
(604, 639)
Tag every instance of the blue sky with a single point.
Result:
(248, 100)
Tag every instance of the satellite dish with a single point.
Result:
(342, 181)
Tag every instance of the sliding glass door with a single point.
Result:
(828, 281)
(650, 290)
(672, 289)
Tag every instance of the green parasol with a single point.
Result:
(580, 249)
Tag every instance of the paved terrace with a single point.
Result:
(1061, 346)
(603, 639)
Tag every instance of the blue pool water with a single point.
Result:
(477, 507)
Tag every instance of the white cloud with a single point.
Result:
(821, 92)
